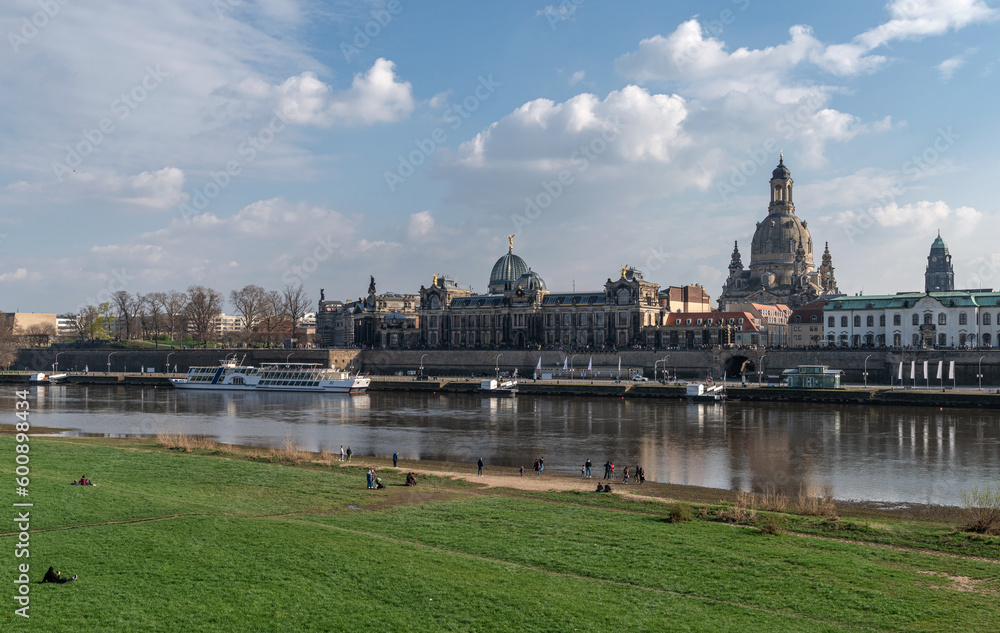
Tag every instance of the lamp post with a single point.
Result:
(55, 365)
(980, 373)
(109, 360)
(168, 360)
(865, 373)
(421, 370)
(571, 364)
(760, 368)
(497, 363)
(287, 357)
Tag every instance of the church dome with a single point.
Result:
(508, 269)
(777, 238)
(781, 171)
(530, 281)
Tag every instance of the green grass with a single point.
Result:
(173, 541)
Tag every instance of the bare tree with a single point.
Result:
(203, 307)
(85, 322)
(249, 303)
(125, 303)
(174, 306)
(294, 303)
(36, 335)
(271, 319)
(8, 341)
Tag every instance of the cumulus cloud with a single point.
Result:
(921, 216)
(420, 225)
(577, 77)
(18, 275)
(374, 97)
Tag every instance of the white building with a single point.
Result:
(938, 319)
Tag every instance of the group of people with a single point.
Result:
(83, 482)
(638, 474)
(345, 456)
(604, 488)
(539, 465)
(374, 481)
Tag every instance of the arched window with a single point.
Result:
(881, 320)
(869, 339)
(986, 318)
(832, 322)
(987, 340)
(942, 319)
(897, 339)
(916, 319)
(857, 320)
(963, 318)
(928, 318)
(870, 321)
(843, 321)
(897, 319)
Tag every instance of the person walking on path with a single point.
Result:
(480, 464)
(587, 471)
(348, 453)
(522, 471)
(395, 459)
(341, 452)
(536, 468)
(625, 476)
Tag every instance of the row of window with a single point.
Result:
(897, 319)
(897, 340)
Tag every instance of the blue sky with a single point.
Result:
(152, 146)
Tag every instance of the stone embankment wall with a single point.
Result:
(881, 365)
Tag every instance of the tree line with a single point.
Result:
(265, 316)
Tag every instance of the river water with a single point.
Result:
(891, 454)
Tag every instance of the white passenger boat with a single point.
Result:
(232, 376)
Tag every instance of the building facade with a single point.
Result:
(781, 269)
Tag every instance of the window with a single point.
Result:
(897, 319)
(928, 318)
(963, 318)
(916, 319)
(987, 340)
(881, 320)
(857, 320)
(870, 321)
(548, 320)
(986, 318)
(566, 319)
(843, 321)
(942, 319)
(832, 322)
(583, 319)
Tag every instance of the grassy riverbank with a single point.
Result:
(212, 540)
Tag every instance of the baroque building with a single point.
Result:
(781, 269)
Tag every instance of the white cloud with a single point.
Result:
(18, 275)
(420, 225)
(374, 97)
(577, 77)
(920, 216)
(948, 67)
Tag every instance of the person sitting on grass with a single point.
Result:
(56, 576)
(411, 479)
(600, 488)
(607, 488)
(378, 483)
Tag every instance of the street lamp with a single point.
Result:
(109, 360)
(980, 373)
(571, 364)
(287, 357)
(865, 373)
(55, 365)
(168, 360)
(760, 368)
(421, 372)
(497, 363)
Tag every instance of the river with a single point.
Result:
(890, 454)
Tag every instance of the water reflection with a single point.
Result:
(890, 454)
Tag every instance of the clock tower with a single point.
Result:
(940, 275)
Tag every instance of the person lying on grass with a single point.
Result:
(84, 482)
(56, 576)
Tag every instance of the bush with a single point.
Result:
(983, 506)
(679, 512)
(771, 525)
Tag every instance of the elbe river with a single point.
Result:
(890, 454)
